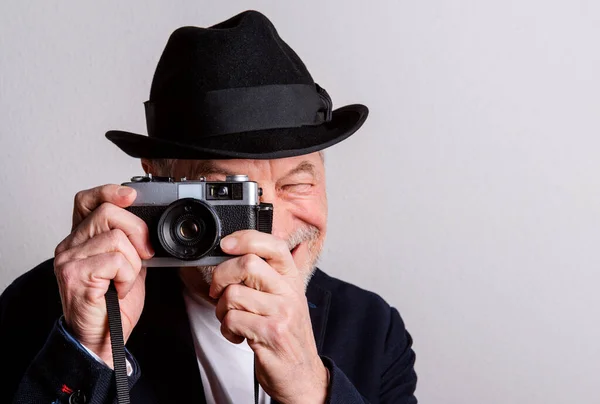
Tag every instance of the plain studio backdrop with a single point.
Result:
(470, 199)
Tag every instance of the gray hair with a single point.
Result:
(163, 167)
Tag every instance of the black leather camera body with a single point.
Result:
(188, 218)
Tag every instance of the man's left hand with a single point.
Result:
(261, 298)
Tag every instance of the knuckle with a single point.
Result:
(277, 330)
(216, 276)
(228, 320)
(104, 209)
(66, 273)
(124, 268)
(231, 292)
(245, 262)
(79, 199)
(117, 259)
(60, 248)
(59, 259)
(249, 262)
(63, 245)
(248, 265)
(135, 224)
(140, 227)
(57, 268)
(116, 238)
(128, 276)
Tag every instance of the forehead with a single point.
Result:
(257, 169)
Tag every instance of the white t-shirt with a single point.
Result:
(227, 369)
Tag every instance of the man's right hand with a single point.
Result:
(106, 243)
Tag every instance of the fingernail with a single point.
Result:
(124, 191)
(150, 250)
(228, 243)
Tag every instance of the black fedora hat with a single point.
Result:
(236, 90)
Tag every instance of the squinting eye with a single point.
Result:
(298, 188)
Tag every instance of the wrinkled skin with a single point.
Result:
(259, 296)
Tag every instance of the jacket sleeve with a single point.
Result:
(398, 376)
(63, 368)
(341, 389)
(42, 362)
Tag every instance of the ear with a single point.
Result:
(147, 166)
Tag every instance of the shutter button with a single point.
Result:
(77, 398)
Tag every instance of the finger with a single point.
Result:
(88, 200)
(105, 218)
(241, 297)
(265, 245)
(91, 276)
(239, 325)
(250, 269)
(114, 240)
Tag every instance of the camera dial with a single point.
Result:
(142, 178)
(236, 178)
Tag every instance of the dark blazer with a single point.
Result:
(361, 339)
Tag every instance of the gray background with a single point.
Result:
(470, 199)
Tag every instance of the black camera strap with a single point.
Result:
(117, 344)
(118, 347)
(255, 383)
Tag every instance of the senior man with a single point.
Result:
(229, 99)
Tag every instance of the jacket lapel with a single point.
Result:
(319, 300)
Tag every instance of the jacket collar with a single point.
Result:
(319, 300)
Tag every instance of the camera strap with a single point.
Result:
(255, 383)
(117, 343)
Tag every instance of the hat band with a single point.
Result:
(237, 110)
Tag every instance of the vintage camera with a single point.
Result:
(187, 219)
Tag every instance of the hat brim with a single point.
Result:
(262, 144)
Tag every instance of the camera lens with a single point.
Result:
(189, 229)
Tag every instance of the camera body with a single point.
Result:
(188, 219)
